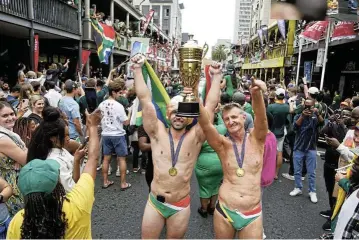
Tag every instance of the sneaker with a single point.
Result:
(99, 168)
(327, 226)
(313, 197)
(143, 171)
(109, 170)
(303, 178)
(264, 236)
(136, 170)
(295, 192)
(287, 176)
(326, 214)
(118, 173)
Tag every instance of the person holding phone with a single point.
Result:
(305, 146)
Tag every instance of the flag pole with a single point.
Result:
(325, 55)
(299, 59)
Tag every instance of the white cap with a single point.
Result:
(280, 91)
(313, 90)
(175, 100)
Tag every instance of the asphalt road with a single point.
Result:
(119, 214)
(344, 13)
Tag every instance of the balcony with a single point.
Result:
(52, 13)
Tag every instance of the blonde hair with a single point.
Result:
(34, 99)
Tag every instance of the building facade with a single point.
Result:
(242, 21)
(167, 16)
(274, 58)
(260, 15)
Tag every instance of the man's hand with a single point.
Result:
(339, 176)
(258, 85)
(304, 79)
(93, 119)
(137, 61)
(307, 113)
(187, 90)
(332, 142)
(215, 68)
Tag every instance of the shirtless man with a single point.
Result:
(239, 202)
(169, 200)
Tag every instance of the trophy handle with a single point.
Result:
(205, 50)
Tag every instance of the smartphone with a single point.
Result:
(24, 103)
(85, 143)
(91, 99)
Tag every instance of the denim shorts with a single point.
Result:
(114, 144)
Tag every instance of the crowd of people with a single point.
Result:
(52, 143)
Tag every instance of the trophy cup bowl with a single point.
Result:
(191, 56)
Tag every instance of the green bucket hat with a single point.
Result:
(39, 176)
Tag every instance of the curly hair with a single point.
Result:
(43, 215)
(23, 128)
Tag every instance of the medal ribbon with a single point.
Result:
(174, 155)
(235, 149)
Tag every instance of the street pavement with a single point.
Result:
(119, 214)
(344, 13)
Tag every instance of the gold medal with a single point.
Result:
(240, 172)
(173, 171)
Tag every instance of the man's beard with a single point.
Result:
(5, 89)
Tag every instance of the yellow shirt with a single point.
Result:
(77, 210)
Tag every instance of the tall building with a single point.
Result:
(260, 15)
(167, 15)
(242, 21)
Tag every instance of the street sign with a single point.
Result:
(320, 57)
(308, 70)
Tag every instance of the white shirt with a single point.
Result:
(344, 151)
(113, 117)
(66, 161)
(54, 97)
(346, 213)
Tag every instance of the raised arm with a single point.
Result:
(214, 139)
(215, 90)
(149, 116)
(92, 122)
(260, 121)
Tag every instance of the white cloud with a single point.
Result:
(208, 20)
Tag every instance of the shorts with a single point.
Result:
(280, 143)
(114, 144)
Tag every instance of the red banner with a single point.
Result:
(85, 56)
(314, 32)
(148, 20)
(36, 52)
(343, 30)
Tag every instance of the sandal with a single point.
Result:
(128, 186)
(202, 212)
(109, 184)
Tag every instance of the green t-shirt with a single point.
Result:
(248, 109)
(280, 112)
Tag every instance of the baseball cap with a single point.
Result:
(39, 176)
(70, 85)
(313, 90)
(280, 91)
(238, 97)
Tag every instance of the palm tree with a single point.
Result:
(220, 53)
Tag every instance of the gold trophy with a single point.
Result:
(191, 56)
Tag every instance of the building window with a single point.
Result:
(145, 10)
(167, 12)
(167, 32)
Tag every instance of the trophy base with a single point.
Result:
(188, 109)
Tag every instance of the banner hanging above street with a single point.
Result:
(315, 32)
(343, 30)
